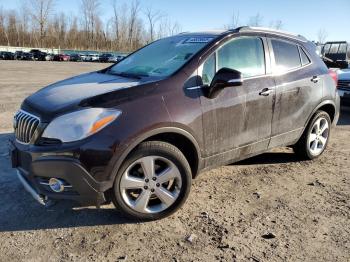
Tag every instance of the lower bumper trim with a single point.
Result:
(39, 198)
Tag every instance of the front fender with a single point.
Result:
(118, 159)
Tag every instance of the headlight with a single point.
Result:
(80, 124)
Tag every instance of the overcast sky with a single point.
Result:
(304, 17)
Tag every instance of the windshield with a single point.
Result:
(161, 58)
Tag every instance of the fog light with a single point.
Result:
(56, 185)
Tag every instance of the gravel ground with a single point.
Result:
(269, 208)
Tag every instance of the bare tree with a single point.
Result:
(116, 22)
(153, 16)
(3, 27)
(90, 9)
(126, 30)
(256, 20)
(234, 23)
(322, 35)
(175, 28)
(167, 28)
(134, 10)
(40, 11)
(277, 24)
(24, 23)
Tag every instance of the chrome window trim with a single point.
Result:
(301, 49)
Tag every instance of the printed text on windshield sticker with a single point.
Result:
(199, 40)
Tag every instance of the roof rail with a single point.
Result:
(270, 31)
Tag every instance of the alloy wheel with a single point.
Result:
(318, 136)
(151, 184)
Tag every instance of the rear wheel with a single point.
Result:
(153, 182)
(315, 137)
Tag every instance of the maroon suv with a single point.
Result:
(138, 132)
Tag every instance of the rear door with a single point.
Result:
(298, 90)
(239, 116)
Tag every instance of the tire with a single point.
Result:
(168, 162)
(305, 147)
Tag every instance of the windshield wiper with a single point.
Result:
(128, 75)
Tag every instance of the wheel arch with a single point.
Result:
(178, 137)
(328, 106)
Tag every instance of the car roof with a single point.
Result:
(249, 29)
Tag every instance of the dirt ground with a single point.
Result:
(269, 208)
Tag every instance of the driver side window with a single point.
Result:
(245, 54)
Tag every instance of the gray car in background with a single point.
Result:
(344, 86)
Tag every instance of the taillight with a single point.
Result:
(334, 75)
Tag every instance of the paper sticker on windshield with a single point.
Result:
(199, 40)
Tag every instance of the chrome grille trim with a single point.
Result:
(25, 125)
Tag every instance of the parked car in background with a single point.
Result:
(91, 58)
(38, 55)
(336, 54)
(104, 58)
(20, 55)
(49, 57)
(4, 55)
(95, 57)
(87, 58)
(344, 86)
(61, 57)
(138, 132)
(83, 56)
(75, 58)
(116, 58)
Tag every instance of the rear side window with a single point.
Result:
(245, 54)
(286, 55)
(304, 58)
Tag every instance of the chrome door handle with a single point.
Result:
(315, 79)
(266, 92)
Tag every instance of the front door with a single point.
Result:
(237, 122)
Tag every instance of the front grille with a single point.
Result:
(344, 84)
(25, 125)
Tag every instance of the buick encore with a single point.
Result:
(138, 132)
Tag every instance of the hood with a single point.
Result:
(70, 92)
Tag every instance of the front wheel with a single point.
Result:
(153, 182)
(315, 137)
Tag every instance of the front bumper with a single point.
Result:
(39, 198)
(34, 174)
